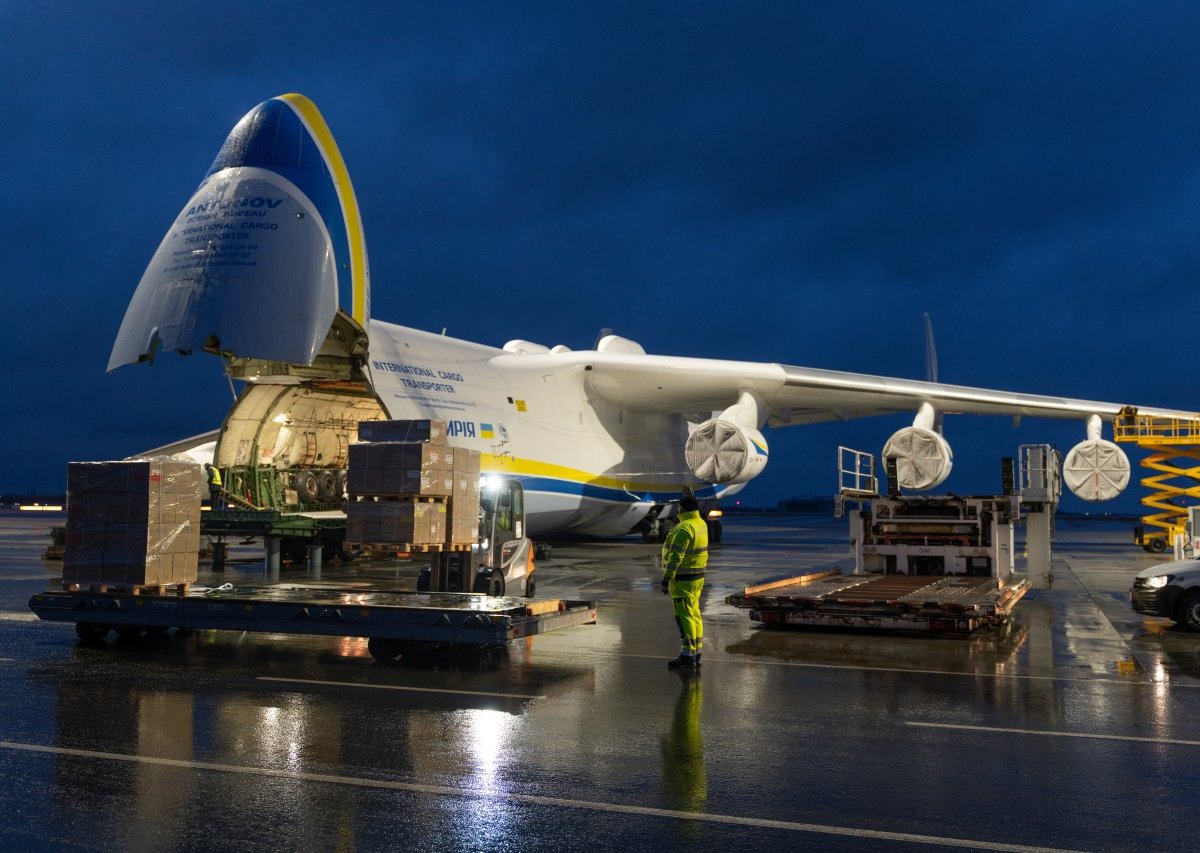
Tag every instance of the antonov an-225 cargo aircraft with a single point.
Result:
(266, 266)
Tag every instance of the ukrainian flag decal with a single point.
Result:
(486, 431)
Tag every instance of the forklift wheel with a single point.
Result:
(496, 588)
(530, 585)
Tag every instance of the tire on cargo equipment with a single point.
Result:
(1187, 614)
(129, 633)
(1158, 544)
(383, 649)
(90, 632)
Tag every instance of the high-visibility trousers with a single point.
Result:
(685, 599)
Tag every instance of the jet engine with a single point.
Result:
(1095, 469)
(721, 451)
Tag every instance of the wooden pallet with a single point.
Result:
(404, 547)
(418, 499)
(156, 589)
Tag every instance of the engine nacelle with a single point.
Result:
(923, 457)
(1096, 470)
(721, 451)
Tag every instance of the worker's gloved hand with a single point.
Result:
(666, 587)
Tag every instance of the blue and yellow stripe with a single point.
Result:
(549, 478)
(288, 135)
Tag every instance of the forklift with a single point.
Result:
(501, 562)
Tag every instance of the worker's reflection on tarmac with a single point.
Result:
(684, 781)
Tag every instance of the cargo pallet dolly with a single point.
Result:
(397, 623)
(939, 564)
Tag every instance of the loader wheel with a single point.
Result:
(530, 586)
(90, 632)
(1158, 544)
(496, 588)
(383, 649)
(129, 633)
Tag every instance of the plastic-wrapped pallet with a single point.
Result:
(135, 523)
(400, 468)
(432, 431)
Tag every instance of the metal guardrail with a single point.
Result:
(1148, 430)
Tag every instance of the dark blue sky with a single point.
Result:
(790, 182)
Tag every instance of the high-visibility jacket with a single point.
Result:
(685, 550)
(214, 476)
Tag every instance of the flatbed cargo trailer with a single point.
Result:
(394, 622)
(953, 604)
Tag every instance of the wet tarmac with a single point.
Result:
(1076, 726)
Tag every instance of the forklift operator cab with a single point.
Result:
(501, 562)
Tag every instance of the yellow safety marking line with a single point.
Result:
(531, 799)
(401, 687)
(1088, 735)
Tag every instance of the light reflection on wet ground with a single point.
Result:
(790, 738)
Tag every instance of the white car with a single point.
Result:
(1171, 590)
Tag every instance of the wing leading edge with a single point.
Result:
(802, 395)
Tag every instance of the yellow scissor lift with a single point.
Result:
(1174, 446)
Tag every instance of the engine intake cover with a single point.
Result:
(923, 457)
(720, 451)
(1096, 470)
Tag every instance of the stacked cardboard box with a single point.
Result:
(431, 431)
(464, 498)
(384, 473)
(132, 523)
(398, 468)
(392, 522)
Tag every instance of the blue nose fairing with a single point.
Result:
(263, 254)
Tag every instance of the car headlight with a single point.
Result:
(1157, 581)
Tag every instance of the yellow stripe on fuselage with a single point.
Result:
(533, 468)
(316, 124)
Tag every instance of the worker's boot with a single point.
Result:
(683, 662)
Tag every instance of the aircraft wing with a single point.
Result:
(804, 395)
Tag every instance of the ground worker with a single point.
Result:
(684, 556)
(214, 486)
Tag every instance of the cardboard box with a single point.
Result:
(433, 431)
(128, 521)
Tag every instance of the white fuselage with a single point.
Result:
(587, 466)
